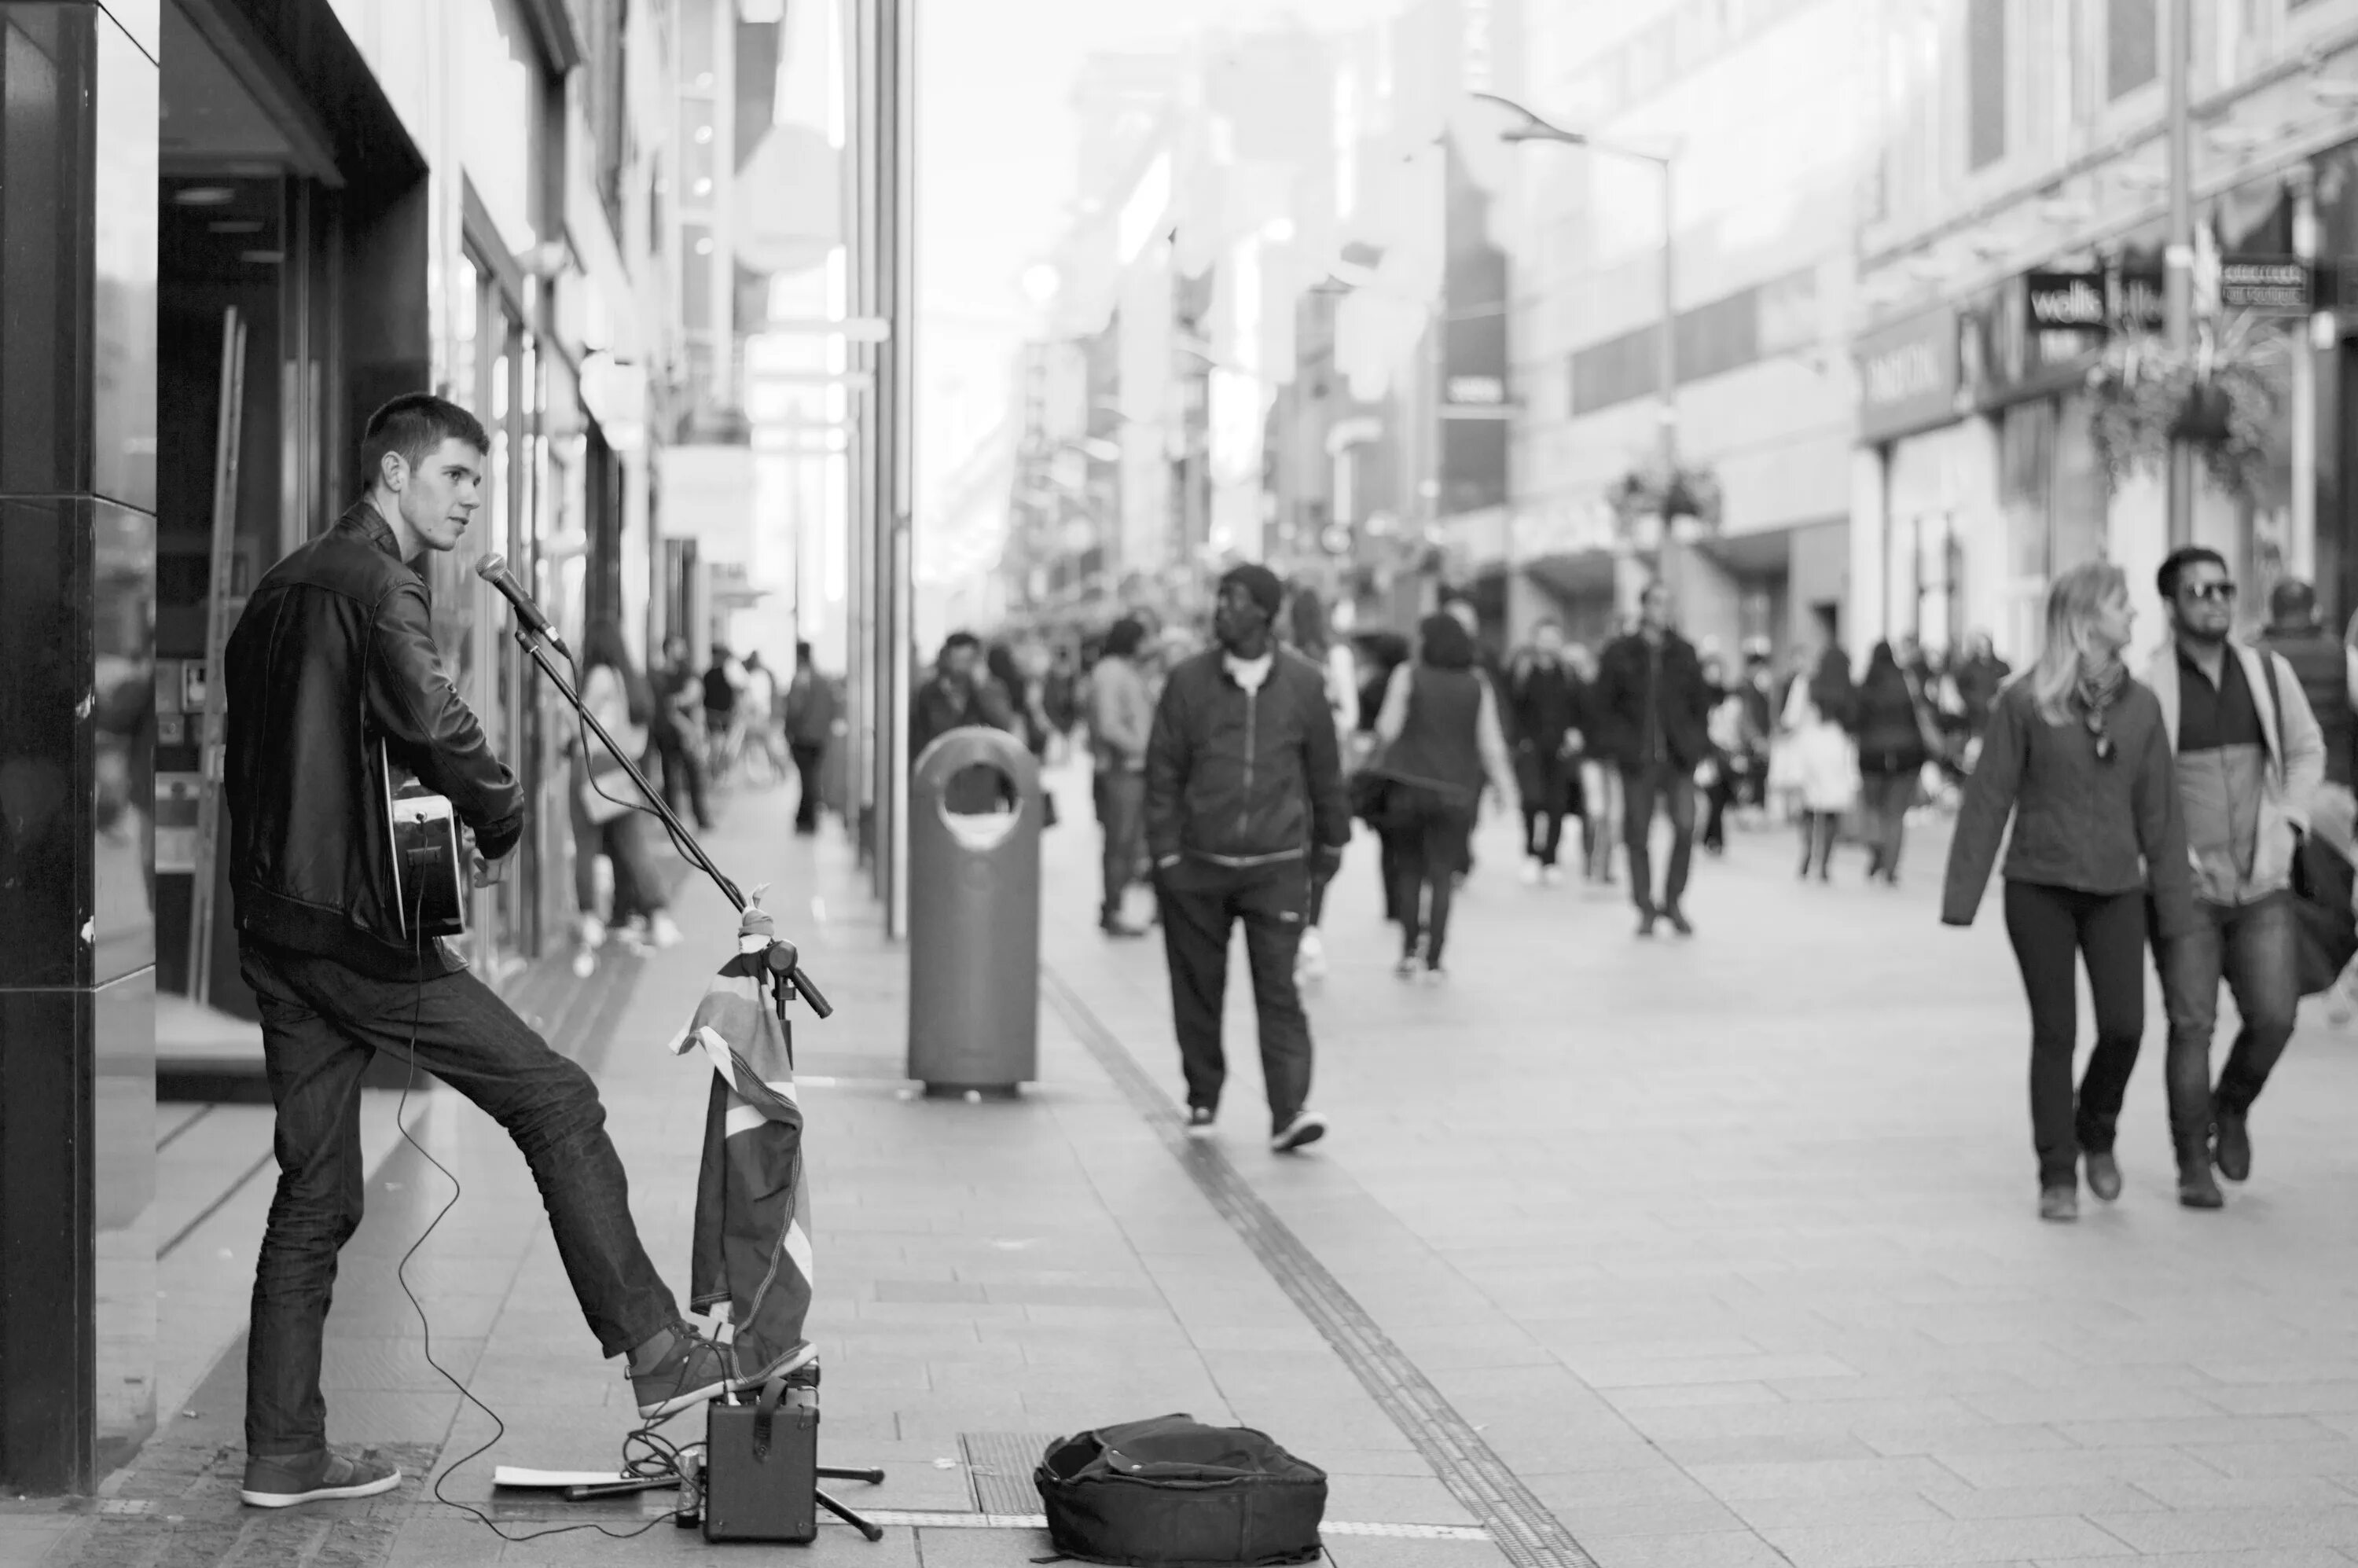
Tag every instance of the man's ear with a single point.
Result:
(393, 471)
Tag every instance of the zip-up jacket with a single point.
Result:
(1240, 778)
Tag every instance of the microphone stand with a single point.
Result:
(785, 960)
(782, 965)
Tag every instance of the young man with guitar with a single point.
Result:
(332, 678)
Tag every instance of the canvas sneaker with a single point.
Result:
(1306, 1128)
(283, 1481)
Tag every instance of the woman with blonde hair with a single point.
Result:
(2076, 754)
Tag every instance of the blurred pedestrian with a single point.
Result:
(758, 713)
(2077, 753)
(1600, 780)
(1120, 719)
(1818, 718)
(680, 732)
(1022, 674)
(2296, 635)
(1441, 737)
(814, 719)
(1540, 689)
(2250, 757)
(1891, 757)
(1652, 707)
(960, 695)
(1380, 653)
(1062, 696)
(1243, 785)
(1731, 767)
(724, 682)
(606, 808)
(1310, 636)
(1978, 676)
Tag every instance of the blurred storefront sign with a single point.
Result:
(1909, 376)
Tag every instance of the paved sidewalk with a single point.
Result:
(1727, 1250)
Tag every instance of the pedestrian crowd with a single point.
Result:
(2196, 809)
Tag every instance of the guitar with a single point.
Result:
(431, 851)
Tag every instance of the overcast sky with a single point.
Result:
(995, 141)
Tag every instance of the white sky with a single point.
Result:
(995, 156)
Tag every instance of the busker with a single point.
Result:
(2078, 754)
(2250, 759)
(1243, 783)
(1652, 709)
(333, 658)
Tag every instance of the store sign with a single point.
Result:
(2267, 285)
(1907, 376)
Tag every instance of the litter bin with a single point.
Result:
(974, 921)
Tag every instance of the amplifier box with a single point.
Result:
(761, 1467)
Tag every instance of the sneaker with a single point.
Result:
(664, 929)
(2104, 1174)
(1531, 872)
(285, 1481)
(2232, 1150)
(1678, 921)
(584, 963)
(591, 933)
(1306, 1128)
(2059, 1203)
(1310, 959)
(691, 1371)
(1552, 875)
(1200, 1121)
(1406, 967)
(1435, 974)
(1116, 926)
(2197, 1188)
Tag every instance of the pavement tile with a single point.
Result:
(1837, 1509)
(1820, 1477)
(1722, 1549)
(1953, 1542)
(2210, 1530)
(2085, 1498)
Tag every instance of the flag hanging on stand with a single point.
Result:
(751, 1264)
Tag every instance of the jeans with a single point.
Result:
(2054, 929)
(683, 773)
(1121, 813)
(807, 755)
(1674, 786)
(1544, 789)
(1429, 833)
(2254, 948)
(1600, 824)
(1884, 799)
(1201, 904)
(321, 1023)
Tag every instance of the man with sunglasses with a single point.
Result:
(2250, 757)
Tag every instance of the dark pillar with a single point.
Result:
(78, 206)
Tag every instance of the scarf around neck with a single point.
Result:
(2099, 688)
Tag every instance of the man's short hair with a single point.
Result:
(412, 425)
(801, 653)
(2174, 564)
(957, 640)
(2292, 602)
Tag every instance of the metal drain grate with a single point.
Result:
(998, 1466)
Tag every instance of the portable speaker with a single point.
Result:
(760, 1466)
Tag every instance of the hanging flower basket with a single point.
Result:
(2228, 399)
(1653, 491)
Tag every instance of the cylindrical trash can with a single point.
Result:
(974, 921)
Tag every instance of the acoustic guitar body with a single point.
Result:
(429, 857)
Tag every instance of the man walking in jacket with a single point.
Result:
(2249, 760)
(813, 720)
(331, 672)
(1654, 707)
(1243, 779)
(1122, 717)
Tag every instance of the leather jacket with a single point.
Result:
(335, 652)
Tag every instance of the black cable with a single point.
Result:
(662, 1458)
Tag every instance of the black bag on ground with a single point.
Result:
(1173, 1493)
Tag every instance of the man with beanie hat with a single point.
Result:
(1244, 782)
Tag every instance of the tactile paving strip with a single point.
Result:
(998, 1466)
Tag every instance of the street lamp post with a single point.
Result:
(1530, 127)
(2178, 277)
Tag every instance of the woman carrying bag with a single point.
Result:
(1891, 757)
(1818, 712)
(2076, 754)
(1441, 735)
(606, 819)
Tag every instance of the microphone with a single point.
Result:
(494, 569)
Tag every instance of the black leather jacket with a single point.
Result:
(335, 652)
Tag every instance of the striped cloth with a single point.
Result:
(751, 1262)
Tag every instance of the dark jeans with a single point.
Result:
(1674, 786)
(683, 773)
(1544, 777)
(1884, 800)
(1428, 834)
(321, 1023)
(2053, 930)
(1200, 904)
(2255, 949)
(623, 842)
(1121, 811)
(807, 755)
